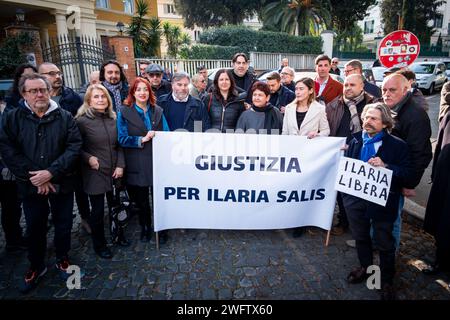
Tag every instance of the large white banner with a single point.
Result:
(243, 181)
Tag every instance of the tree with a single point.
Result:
(345, 13)
(153, 37)
(146, 33)
(210, 13)
(175, 37)
(301, 17)
(138, 27)
(414, 16)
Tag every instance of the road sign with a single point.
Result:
(398, 49)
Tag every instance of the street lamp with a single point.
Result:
(20, 16)
(120, 26)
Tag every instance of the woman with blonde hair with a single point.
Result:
(305, 117)
(102, 160)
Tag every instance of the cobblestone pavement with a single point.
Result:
(224, 264)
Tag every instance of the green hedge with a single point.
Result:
(202, 51)
(247, 39)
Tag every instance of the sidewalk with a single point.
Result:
(226, 264)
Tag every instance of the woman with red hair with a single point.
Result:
(137, 123)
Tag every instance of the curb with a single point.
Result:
(415, 213)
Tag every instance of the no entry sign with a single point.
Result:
(398, 49)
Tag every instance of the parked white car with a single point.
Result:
(430, 75)
(378, 74)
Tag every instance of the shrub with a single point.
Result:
(202, 51)
(247, 39)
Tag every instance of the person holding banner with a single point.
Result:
(261, 117)
(376, 146)
(137, 123)
(305, 117)
(224, 103)
(102, 161)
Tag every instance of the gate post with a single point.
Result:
(123, 48)
(84, 79)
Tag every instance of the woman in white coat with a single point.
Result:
(305, 117)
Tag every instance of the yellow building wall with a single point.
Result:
(115, 12)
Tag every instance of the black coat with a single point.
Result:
(139, 161)
(437, 216)
(29, 143)
(70, 100)
(164, 88)
(412, 125)
(394, 153)
(282, 97)
(225, 116)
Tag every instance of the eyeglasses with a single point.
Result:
(287, 74)
(35, 91)
(349, 70)
(157, 75)
(334, 62)
(54, 73)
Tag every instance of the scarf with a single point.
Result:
(368, 148)
(355, 122)
(270, 120)
(115, 89)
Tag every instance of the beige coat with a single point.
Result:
(315, 120)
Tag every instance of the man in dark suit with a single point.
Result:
(376, 146)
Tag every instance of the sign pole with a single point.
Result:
(328, 238)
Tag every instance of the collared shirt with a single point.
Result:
(322, 86)
(178, 100)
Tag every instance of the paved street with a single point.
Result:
(215, 264)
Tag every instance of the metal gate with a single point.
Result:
(76, 57)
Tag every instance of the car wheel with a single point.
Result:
(431, 89)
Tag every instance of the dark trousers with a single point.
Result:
(382, 232)
(341, 215)
(82, 200)
(36, 209)
(96, 219)
(140, 196)
(11, 212)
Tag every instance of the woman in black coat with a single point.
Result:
(437, 215)
(102, 160)
(224, 104)
(137, 123)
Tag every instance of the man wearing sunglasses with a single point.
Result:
(64, 96)
(154, 74)
(334, 67)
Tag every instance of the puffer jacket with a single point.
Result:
(224, 116)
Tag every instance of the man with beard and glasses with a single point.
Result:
(64, 96)
(113, 79)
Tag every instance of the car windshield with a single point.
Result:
(378, 73)
(422, 68)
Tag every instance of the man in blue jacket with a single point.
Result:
(183, 111)
(376, 146)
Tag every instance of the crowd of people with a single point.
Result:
(55, 143)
